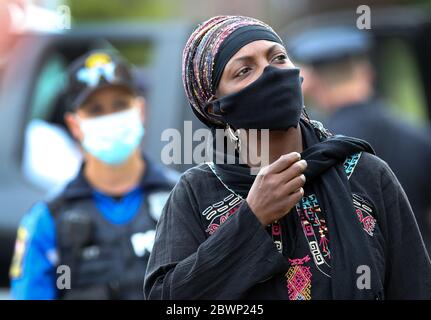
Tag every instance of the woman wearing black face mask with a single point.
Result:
(334, 225)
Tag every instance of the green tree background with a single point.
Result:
(122, 10)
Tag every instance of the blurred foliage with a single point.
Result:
(140, 54)
(122, 10)
(91, 11)
(401, 82)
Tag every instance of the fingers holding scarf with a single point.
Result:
(277, 188)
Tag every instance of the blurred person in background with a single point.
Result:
(339, 79)
(51, 156)
(324, 207)
(102, 224)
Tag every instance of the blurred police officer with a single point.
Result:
(339, 78)
(101, 226)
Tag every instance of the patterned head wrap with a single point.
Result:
(203, 63)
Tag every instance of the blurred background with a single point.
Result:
(38, 39)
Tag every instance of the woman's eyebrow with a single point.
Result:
(242, 58)
(273, 48)
(237, 61)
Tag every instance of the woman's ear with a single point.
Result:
(72, 124)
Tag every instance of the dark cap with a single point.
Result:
(93, 71)
(328, 44)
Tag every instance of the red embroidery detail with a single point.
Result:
(222, 219)
(368, 222)
(276, 230)
(295, 262)
(299, 279)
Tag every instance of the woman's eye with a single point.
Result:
(242, 72)
(280, 58)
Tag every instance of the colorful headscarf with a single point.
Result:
(201, 52)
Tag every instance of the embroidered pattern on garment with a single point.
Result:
(364, 212)
(363, 208)
(299, 279)
(277, 236)
(350, 163)
(315, 232)
(219, 212)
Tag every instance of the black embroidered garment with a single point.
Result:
(209, 245)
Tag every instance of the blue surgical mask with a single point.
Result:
(113, 138)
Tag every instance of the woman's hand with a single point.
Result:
(277, 188)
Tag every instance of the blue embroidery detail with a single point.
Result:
(350, 163)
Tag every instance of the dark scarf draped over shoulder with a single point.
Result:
(325, 155)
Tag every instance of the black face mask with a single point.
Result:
(274, 101)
